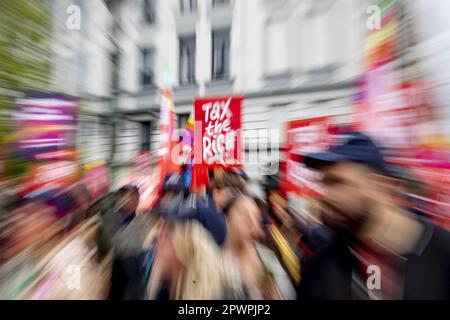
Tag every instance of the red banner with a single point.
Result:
(217, 131)
(303, 137)
(167, 126)
(50, 175)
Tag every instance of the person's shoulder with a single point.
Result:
(434, 242)
(440, 239)
(329, 254)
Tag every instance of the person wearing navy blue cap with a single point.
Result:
(188, 263)
(380, 250)
(200, 209)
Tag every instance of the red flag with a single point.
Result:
(167, 126)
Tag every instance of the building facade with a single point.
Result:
(289, 59)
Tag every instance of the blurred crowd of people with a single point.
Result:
(226, 242)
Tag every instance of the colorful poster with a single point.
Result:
(188, 141)
(381, 43)
(393, 110)
(45, 127)
(49, 175)
(44, 141)
(436, 200)
(218, 131)
(393, 106)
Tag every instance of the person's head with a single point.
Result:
(80, 200)
(244, 219)
(221, 184)
(81, 197)
(353, 182)
(167, 255)
(31, 222)
(128, 199)
(281, 210)
(186, 252)
(240, 178)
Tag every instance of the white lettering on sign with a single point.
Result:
(304, 176)
(219, 138)
(218, 110)
(310, 138)
(54, 172)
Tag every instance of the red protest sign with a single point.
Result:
(308, 135)
(50, 175)
(218, 123)
(167, 127)
(302, 137)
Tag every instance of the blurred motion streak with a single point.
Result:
(99, 191)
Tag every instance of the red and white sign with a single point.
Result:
(437, 201)
(393, 109)
(303, 137)
(308, 135)
(217, 131)
(50, 176)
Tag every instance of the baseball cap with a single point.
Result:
(241, 173)
(175, 182)
(203, 210)
(354, 147)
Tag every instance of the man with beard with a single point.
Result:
(380, 250)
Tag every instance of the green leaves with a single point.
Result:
(25, 56)
(25, 28)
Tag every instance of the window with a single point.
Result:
(187, 6)
(182, 119)
(220, 2)
(149, 11)
(187, 60)
(221, 52)
(82, 71)
(145, 136)
(115, 71)
(148, 63)
(276, 47)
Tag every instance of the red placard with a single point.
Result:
(167, 127)
(308, 135)
(51, 175)
(217, 131)
(304, 136)
(436, 204)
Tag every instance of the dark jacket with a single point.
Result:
(329, 273)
